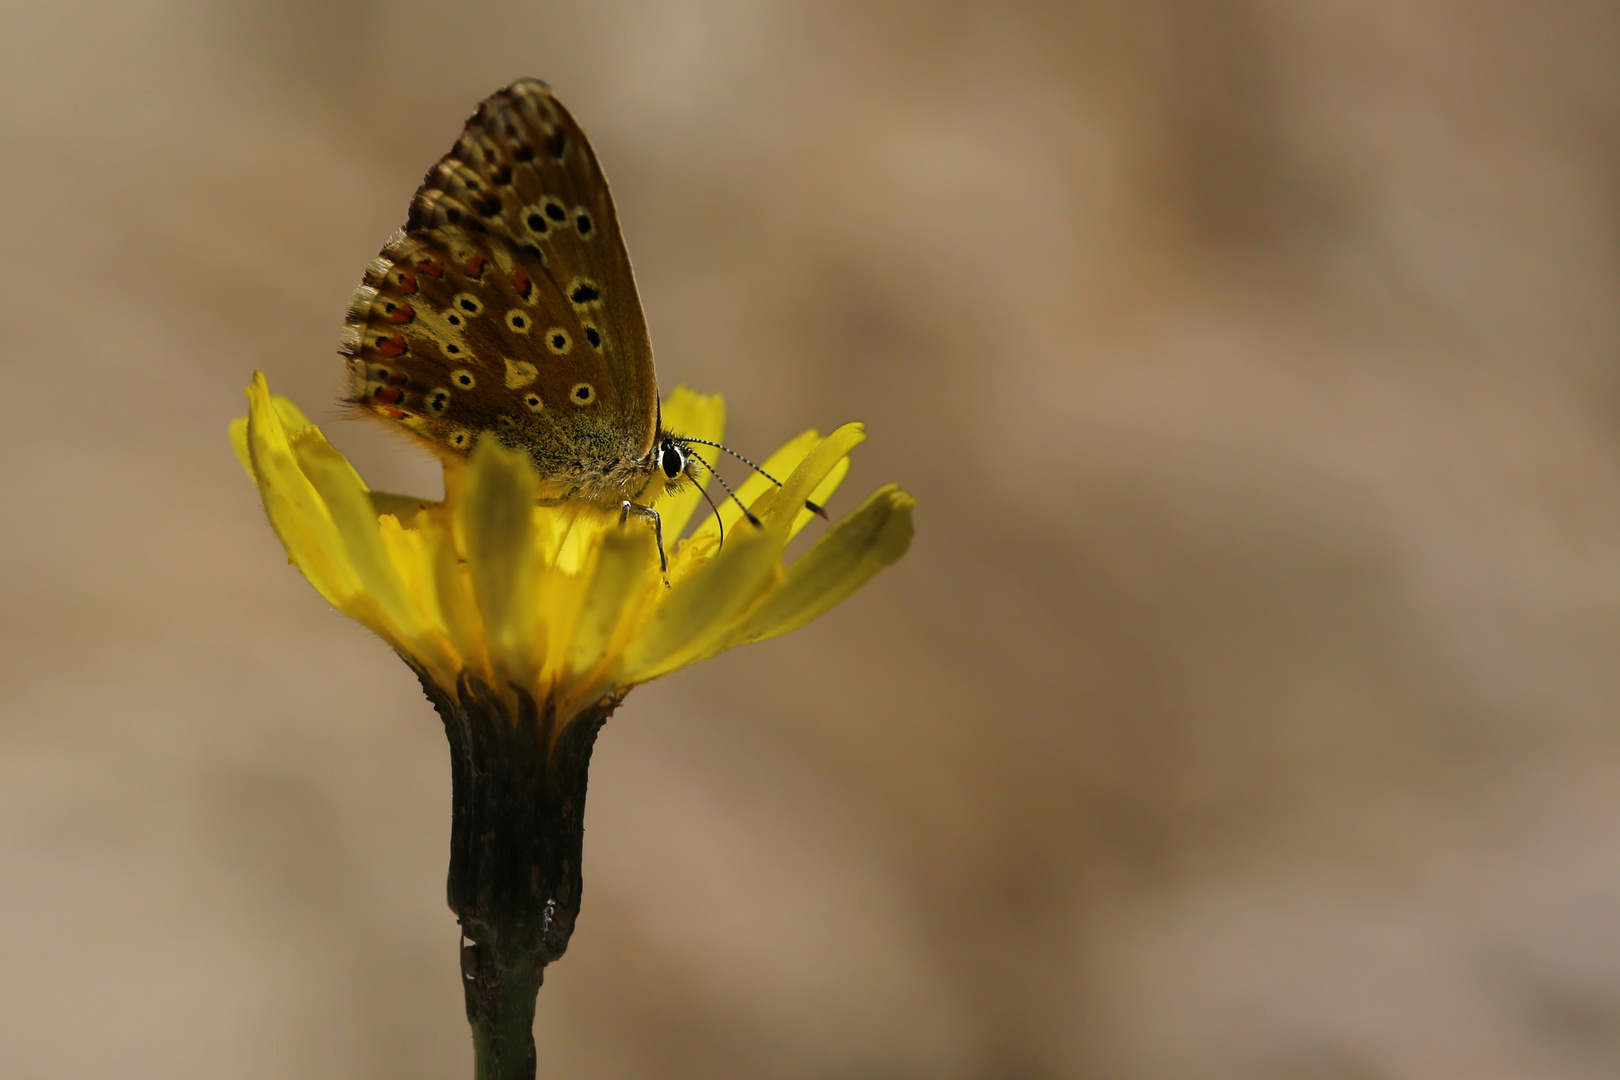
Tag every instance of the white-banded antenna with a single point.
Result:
(812, 507)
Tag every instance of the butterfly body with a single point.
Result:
(506, 309)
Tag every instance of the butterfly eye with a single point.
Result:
(533, 402)
(558, 341)
(517, 321)
(463, 379)
(673, 460)
(469, 303)
(582, 393)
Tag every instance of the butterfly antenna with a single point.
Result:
(718, 520)
(747, 513)
(808, 505)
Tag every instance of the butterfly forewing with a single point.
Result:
(507, 304)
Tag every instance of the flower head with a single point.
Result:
(557, 604)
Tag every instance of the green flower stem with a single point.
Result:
(501, 982)
(516, 834)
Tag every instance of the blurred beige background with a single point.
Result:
(1246, 707)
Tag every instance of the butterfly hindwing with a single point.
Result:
(507, 304)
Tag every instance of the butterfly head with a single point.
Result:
(671, 463)
(672, 457)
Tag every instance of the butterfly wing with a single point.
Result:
(507, 303)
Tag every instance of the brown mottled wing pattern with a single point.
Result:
(507, 304)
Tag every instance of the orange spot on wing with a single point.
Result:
(521, 280)
(404, 313)
(391, 346)
(389, 395)
(397, 414)
(474, 266)
(431, 267)
(407, 283)
(398, 378)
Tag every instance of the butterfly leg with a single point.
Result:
(627, 508)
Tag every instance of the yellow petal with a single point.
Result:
(687, 412)
(702, 607)
(562, 600)
(404, 508)
(853, 550)
(239, 443)
(453, 590)
(626, 560)
(408, 553)
(696, 416)
(564, 584)
(569, 535)
(495, 525)
(292, 417)
(817, 466)
(779, 464)
(350, 506)
(824, 492)
(296, 510)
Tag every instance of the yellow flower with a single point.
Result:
(563, 607)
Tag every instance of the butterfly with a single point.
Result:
(506, 308)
